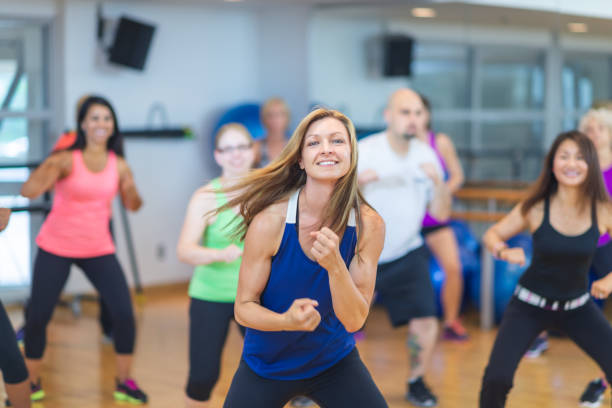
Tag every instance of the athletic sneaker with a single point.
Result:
(454, 332)
(301, 401)
(20, 336)
(36, 391)
(539, 345)
(594, 394)
(128, 391)
(419, 395)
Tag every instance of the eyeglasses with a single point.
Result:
(230, 149)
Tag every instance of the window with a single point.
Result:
(25, 117)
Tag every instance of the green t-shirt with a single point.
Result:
(218, 281)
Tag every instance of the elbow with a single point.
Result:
(181, 253)
(355, 325)
(27, 192)
(356, 322)
(238, 314)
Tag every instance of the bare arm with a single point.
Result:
(127, 188)
(189, 248)
(495, 237)
(5, 214)
(602, 288)
(54, 168)
(352, 288)
(440, 205)
(261, 242)
(455, 171)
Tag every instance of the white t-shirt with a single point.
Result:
(402, 192)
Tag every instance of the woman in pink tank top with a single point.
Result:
(86, 177)
(440, 238)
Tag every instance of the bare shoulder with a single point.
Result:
(372, 221)
(604, 211)
(265, 232)
(61, 160)
(272, 218)
(444, 142)
(122, 164)
(534, 216)
(204, 196)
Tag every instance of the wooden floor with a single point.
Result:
(79, 368)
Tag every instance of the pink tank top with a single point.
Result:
(78, 224)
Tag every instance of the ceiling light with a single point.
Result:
(578, 27)
(423, 12)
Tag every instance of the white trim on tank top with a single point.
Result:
(292, 207)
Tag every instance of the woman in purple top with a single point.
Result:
(439, 237)
(597, 125)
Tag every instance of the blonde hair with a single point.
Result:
(602, 105)
(601, 115)
(232, 126)
(279, 179)
(268, 104)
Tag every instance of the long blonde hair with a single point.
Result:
(275, 182)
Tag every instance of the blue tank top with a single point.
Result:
(296, 355)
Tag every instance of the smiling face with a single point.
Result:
(98, 124)
(235, 153)
(326, 150)
(569, 166)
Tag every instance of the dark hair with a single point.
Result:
(114, 143)
(427, 106)
(592, 188)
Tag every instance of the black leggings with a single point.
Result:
(11, 361)
(208, 326)
(522, 323)
(346, 384)
(48, 280)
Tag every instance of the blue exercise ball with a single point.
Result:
(469, 250)
(247, 114)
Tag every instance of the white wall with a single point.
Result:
(282, 56)
(201, 60)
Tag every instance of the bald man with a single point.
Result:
(401, 178)
(11, 361)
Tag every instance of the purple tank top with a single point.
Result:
(428, 220)
(607, 177)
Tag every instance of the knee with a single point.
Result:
(36, 320)
(424, 327)
(496, 381)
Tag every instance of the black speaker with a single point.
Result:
(397, 54)
(132, 42)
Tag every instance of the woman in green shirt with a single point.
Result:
(206, 242)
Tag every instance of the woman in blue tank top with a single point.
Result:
(566, 212)
(311, 246)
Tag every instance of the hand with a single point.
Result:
(302, 315)
(430, 171)
(601, 288)
(513, 255)
(367, 176)
(5, 214)
(230, 253)
(326, 248)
